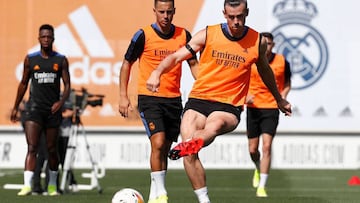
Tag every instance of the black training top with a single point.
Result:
(45, 80)
(137, 43)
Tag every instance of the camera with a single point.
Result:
(79, 99)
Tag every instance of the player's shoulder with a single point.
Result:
(58, 54)
(138, 34)
(33, 54)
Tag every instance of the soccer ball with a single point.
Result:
(127, 195)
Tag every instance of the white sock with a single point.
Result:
(153, 193)
(159, 178)
(263, 179)
(202, 195)
(28, 175)
(52, 177)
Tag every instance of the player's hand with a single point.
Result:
(153, 82)
(56, 107)
(14, 115)
(124, 107)
(285, 107)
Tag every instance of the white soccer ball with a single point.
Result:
(127, 195)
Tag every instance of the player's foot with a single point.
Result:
(26, 190)
(152, 201)
(186, 148)
(261, 192)
(162, 199)
(52, 190)
(256, 178)
(37, 191)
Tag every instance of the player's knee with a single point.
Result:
(32, 149)
(266, 149)
(253, 151)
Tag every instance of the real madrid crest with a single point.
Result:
(152, 126)
(301, 44)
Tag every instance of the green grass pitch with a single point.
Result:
(225, 186)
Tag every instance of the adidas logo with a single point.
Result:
(92, 49)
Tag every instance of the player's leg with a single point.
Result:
(198, 126)
(265, 164)
(158, 164)
(171, 118)
(270, 119)
(255, 157)
(191, 122)
(253, 130)
(51, 143)
(153, 117)
(41, 158)
(32, 133)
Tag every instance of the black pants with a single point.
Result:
(41, 159)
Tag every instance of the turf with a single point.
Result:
(225, 186)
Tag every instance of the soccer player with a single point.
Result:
(45, 69)
(218, 94)
(263, 114)
(160, 111)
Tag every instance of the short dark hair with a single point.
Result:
(46, 27)
(155, 1)
(234, 3)
(268, 35)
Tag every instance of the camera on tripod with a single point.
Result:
(81, 98)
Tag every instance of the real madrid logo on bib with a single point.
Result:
(301, 44)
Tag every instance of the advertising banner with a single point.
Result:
(229, 151)
(94, 35)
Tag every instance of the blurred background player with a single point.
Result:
(263, 113)
(42, 166)
(45, 69)
(68, 115)
(160, 111)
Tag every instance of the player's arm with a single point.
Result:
(192, 62)
(21, 89)
(268, 78)
(184, 53)
(133, 52)
(287, 81)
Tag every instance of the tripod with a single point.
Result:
(70, 158)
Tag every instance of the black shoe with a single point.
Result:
(37, 191)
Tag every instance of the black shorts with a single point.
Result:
(44, 118)
(261, 121)
(160, 114)
(206, 107)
